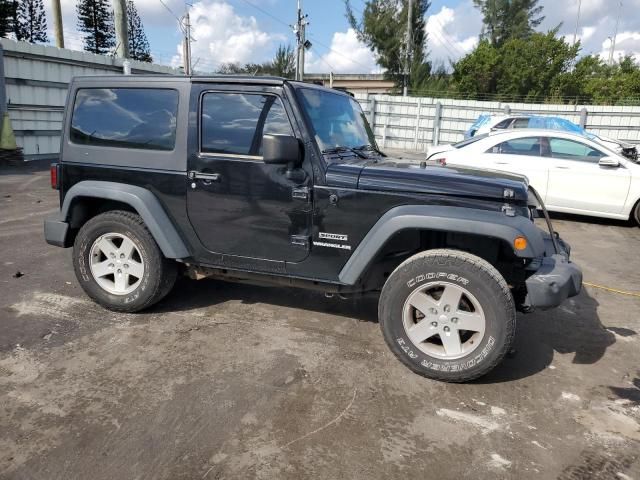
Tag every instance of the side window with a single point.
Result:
(520, 123)
(572, 150)
(140, 118)
(518, 146)
(503, 124)
(233, 123)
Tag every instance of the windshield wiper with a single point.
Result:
(370, 148)
(344, 150)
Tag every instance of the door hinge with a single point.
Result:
(302, 193)
(300, 240)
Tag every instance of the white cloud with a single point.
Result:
(597, 23)
(347, 55)
(222, 36)
(452, 33)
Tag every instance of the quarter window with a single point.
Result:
(572, 150)
(518, 146)
(138, 118)
(234, 123)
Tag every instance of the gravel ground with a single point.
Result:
(235, 381)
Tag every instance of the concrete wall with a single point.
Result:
(36, 78)
(411, 123)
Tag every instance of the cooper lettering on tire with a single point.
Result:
(447, 315)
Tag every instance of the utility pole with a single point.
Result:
(575, 32)
(407, 60)
(301, 42)
(615, 34)
(186, 44)
(57, 24)
(122, 37)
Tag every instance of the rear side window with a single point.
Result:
(125, 117)
(234, 123)
(518, 146)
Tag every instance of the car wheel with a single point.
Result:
(636, 213)
(118, 263)
(447, 315)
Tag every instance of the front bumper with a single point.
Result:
(556, 280)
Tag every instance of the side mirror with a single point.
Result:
(281, 149)
(609, 162)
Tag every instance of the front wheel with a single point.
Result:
(118, 263)
(447, 315)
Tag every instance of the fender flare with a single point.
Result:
(143, 201)
(444, 219)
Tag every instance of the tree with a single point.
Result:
(476, 73)
(31, 21)
(609, 84)
(383, 28)
(138, 43)
(523, 68)
(7, 17)
(95, 19)
(505, 19)
(284, 63)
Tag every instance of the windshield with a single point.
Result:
(469, 141)
(337, 120)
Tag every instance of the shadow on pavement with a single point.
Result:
(574, 327)
(194, 294)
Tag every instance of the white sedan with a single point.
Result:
(571, 173)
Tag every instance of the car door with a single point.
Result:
(238, 205)
(521, 156)
(577, 183)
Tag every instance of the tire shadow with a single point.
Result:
(573, 327)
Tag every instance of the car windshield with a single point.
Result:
(469, 141)
(337, 120)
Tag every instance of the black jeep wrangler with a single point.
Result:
(265, 180)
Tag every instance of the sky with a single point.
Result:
(251, 30)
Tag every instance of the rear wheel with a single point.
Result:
(636, 213)
(447, 315)
(118, 263)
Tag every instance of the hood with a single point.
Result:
(439, 149)
(391, 175)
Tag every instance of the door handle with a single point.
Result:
(206, 177)
(563, 168)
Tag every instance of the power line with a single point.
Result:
(446, 36)
(338, 53)
(170, 11)
(331, 69)
(268, 14)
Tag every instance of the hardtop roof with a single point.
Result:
(238, 79)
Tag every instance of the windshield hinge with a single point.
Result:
(302, 193)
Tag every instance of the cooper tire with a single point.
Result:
(149, 275)
(485, 305)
